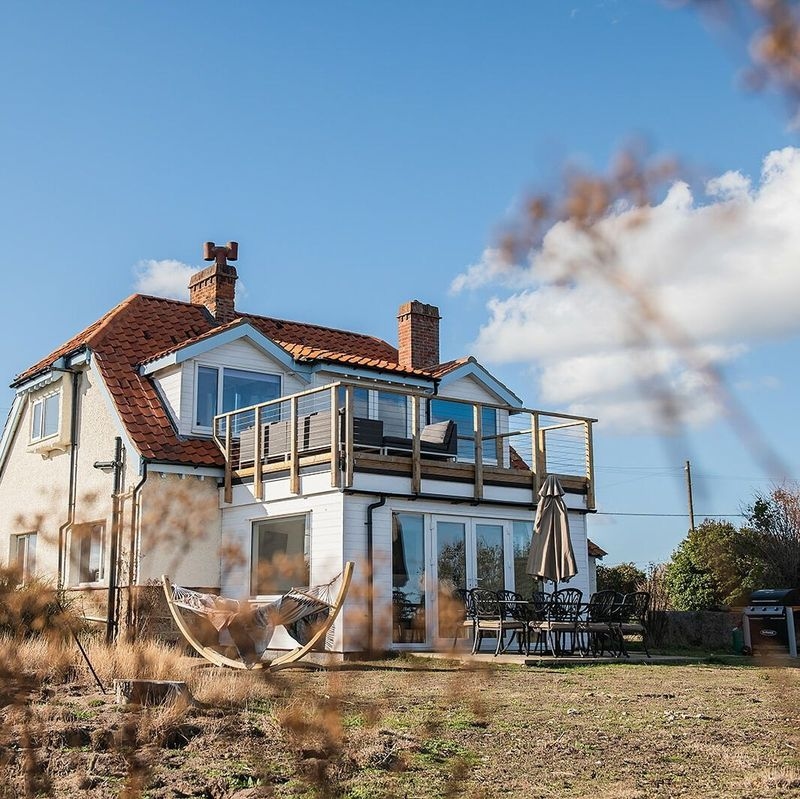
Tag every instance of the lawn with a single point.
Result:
(406, 728)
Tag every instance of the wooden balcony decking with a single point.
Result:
(524, 446)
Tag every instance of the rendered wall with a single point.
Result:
(34, 489)
(179, 530)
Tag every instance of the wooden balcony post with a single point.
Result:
(258, 485)
(538, 461)
(294, 460)
(477, 417)
(348, 437)
(228, 491)
(590, 498)
(416, 465)
(334, 438)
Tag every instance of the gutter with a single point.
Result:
(370, 571)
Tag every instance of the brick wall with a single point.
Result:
(215, 287)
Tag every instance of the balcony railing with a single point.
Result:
(352, 427)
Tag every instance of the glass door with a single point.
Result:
(409, 579)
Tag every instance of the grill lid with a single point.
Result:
(776, 596)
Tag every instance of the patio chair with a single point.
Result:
(537, 616)
(563, 614)
(468, 623)
(599, 627)
(489, 619)
(633, 619)
(514, 607)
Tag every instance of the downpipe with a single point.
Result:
(370, 572)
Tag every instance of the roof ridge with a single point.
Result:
(317, 326)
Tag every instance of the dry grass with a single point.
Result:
(404, 727)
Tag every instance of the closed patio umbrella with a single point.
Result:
(551, 556)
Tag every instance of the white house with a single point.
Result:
(243, 454)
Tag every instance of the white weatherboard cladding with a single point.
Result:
(355, 549)
(168, 385)
(239, 354)
(467, 388)
(326, 547)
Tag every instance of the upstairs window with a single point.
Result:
(44, 416)
(220, 390)
(87, 552)
(23, 555)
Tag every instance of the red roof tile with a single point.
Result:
(142, 328)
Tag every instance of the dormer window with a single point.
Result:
(45, 416)
(220, 389)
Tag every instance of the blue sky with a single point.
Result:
(366, 153)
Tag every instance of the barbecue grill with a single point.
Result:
(769, 618)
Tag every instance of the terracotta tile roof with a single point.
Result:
(448, 366)
(594, 550)
(142, 328)
(307, 342)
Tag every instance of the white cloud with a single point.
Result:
(166, 278)
(725, 271)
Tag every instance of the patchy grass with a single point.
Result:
(425, 729)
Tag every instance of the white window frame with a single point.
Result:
(28, 541)
(78, 534)
(306, 515)
(196, 428)
(41, 403)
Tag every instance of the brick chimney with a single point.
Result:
(418, 335)
(215, 286)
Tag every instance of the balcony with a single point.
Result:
(351, 429)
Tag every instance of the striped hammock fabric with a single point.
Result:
(300, 611)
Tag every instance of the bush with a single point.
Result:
(33, 609)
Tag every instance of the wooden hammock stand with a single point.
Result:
(283, 661)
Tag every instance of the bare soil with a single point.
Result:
(418, 728)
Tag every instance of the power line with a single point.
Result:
(669, 515)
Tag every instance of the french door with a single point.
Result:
(467, 553)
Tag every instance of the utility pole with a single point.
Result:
(689, 494)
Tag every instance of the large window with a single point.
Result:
(44, 417)
(23, 555)
(462, 414)
(408, 578)
(280, 555)
(524, 583)
(87, 552)
(220, 390)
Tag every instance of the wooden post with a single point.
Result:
(258, 485)
(334, 437)
(228, 487)
(590, 497)
(478, 432)
(348, 435)
(416, 466)
(294, 460)
(536, 465)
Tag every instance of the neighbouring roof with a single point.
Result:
(594, 550)
(142, 328)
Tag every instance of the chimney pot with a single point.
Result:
(215, 286)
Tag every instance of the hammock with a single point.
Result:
(307, 614)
